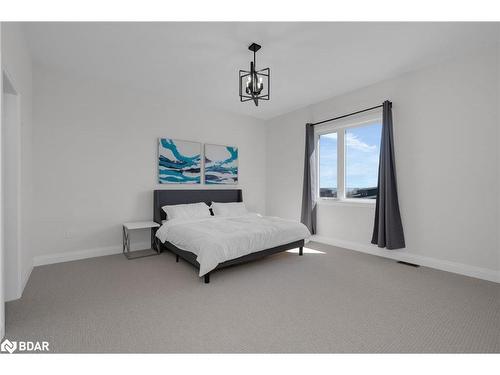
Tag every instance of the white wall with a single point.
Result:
(16, 63)
(11, 170)
(95, 159)
(285, 163)
(2, 250)
(446, 138)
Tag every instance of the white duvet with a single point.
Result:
(217, 239)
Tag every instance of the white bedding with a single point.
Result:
(217, 239)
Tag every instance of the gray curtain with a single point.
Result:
(388, 229)
(308, 216)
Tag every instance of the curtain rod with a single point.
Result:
(349, 114)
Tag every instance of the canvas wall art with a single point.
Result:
(179, 162)
(221, 164)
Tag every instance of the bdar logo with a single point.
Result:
(24, 346)
(8, 346)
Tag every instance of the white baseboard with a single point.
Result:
(443, 265)
(25, 279)
(68, 256)
(12, 295)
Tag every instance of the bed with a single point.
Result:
(281, 234)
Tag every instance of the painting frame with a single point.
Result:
(221, 164)
(179, 161)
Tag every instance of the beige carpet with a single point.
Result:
(335, 301)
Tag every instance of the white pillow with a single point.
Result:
(229, 209)
(187, 211)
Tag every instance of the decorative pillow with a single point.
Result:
(187, 211)
(229, 209)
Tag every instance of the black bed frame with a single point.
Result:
(169, 197)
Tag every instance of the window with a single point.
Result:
(328, 165)
(348, 156)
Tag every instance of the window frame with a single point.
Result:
(340, 126)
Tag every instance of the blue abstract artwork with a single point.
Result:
(221, 164)
(179, 162)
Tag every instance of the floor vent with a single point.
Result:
(409, 264)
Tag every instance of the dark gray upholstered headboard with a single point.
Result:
(166, 197)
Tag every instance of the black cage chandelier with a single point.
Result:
(254, 84)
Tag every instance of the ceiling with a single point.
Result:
(199, 62)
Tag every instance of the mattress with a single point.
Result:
(215, 240)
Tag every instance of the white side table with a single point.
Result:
(128, 227)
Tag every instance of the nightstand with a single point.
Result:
(136, 225)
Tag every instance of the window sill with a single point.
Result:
(347, 202)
